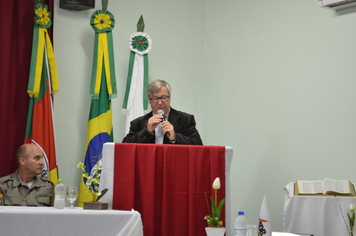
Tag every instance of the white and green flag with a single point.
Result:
(135, 101)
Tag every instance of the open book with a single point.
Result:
(326, 187)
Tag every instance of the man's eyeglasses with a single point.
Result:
(163, 99)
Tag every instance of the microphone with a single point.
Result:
(161, 112)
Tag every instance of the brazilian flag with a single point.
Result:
(102, 90)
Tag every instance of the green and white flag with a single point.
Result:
(136, 102)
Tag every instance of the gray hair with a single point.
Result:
(157, 85)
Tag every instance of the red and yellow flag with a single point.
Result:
(42, 83)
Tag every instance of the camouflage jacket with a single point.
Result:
(15, 192)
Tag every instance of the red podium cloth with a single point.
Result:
(166, 184)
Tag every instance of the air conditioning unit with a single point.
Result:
(336, 4)
(77, 5)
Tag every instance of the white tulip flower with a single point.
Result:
(216, 184)
(352, 207)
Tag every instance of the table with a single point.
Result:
(17, 220)
(317, 215)
(181, 159)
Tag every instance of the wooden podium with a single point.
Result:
(166, 184)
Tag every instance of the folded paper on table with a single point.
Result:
(288, 234)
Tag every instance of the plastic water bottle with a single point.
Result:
(60, 195)
(240, 224)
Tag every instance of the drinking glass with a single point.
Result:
(252, 230)
(72, 195)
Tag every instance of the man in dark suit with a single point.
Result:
(173, 127)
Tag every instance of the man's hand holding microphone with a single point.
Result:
(167, 127)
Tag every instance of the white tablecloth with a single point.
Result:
(68, 222)
(107, 177)
(320, 216)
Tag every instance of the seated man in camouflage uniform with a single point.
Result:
(25, 187)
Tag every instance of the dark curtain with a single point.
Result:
(16, 32)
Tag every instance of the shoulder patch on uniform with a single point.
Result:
(6, 178)
(48, 181)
